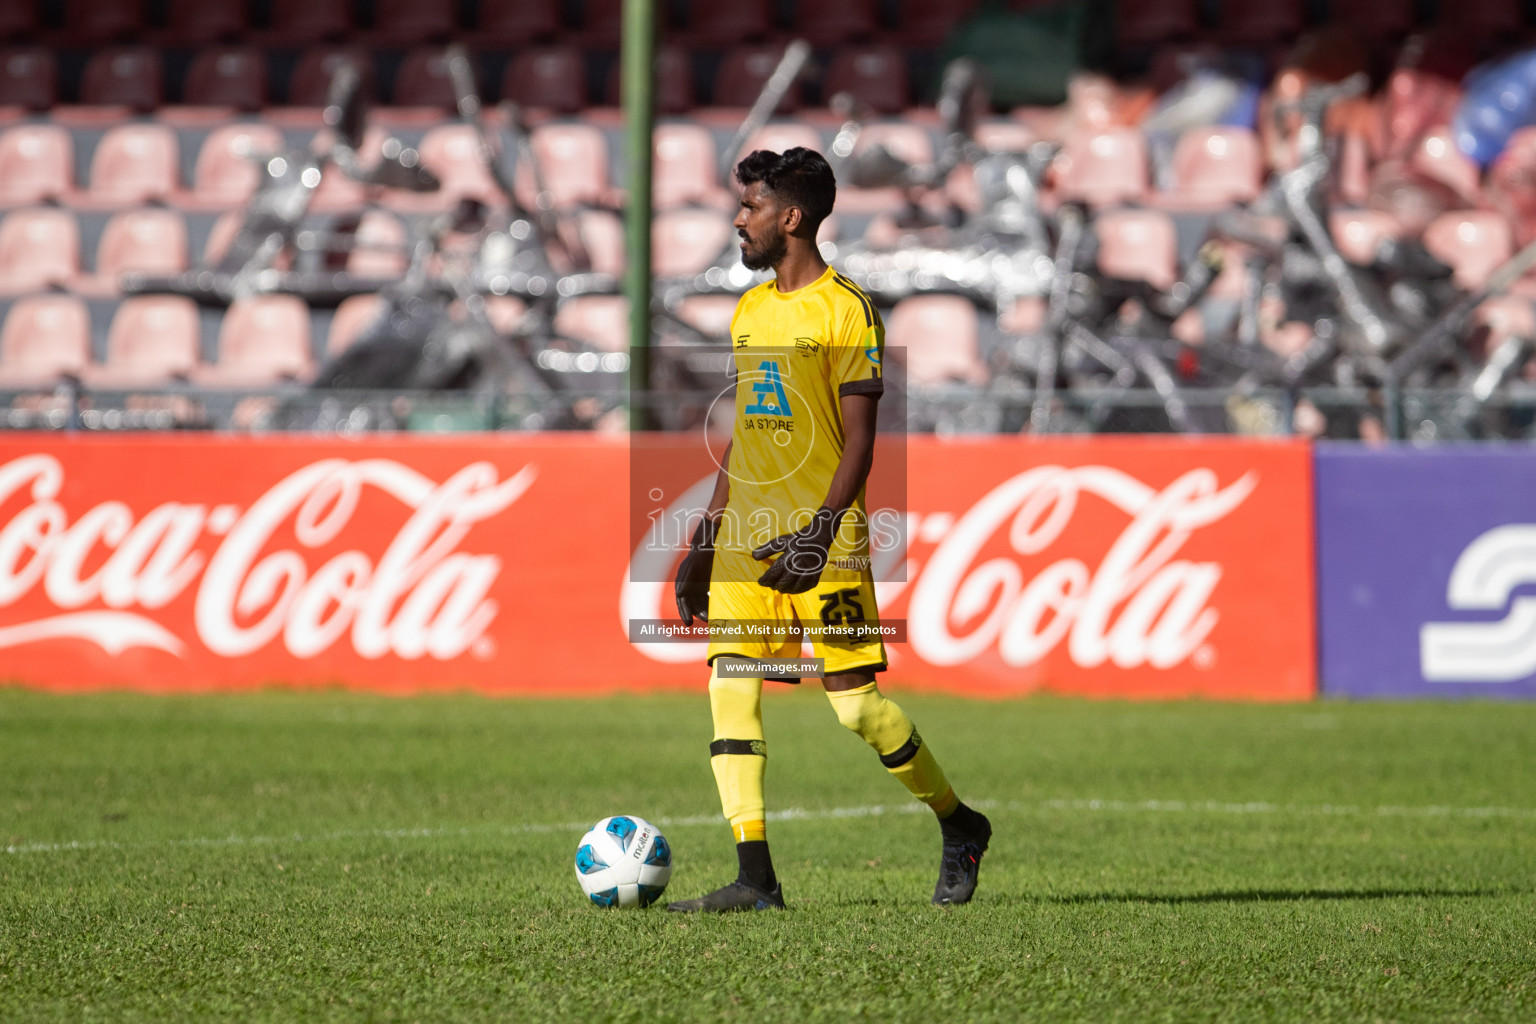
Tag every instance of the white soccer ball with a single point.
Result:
(623, 861)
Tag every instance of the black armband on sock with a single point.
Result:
(904, 753)
(757, 747)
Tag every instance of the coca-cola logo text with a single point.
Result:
(422, 597)
(1138, 605)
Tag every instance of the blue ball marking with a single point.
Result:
(622, 830)
(587, 860)
(661, 853)
(650, 893)
(607, 898)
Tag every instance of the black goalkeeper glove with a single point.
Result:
(804, 554)
(692, 586)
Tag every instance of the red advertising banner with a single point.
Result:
(503, 564)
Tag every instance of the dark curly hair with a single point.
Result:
(796, 177)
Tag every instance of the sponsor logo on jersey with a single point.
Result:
(771, 398)
(1484, 579)
(807, 346)
(741, 340)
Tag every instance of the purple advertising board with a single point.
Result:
(1426, 571)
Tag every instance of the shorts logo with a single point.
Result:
(771, 399)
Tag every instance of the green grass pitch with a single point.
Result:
(310, 857)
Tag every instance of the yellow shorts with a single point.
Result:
(753, 621)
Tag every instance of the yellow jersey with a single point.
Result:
(795, 355)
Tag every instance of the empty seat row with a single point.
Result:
(553, 78)
(40, 247)
(138, 162)
(490, 22)
(155, 341)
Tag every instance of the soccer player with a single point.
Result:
(785, 538)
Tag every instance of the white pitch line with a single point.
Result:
(803, 814)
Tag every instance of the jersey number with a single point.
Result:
(841, 607)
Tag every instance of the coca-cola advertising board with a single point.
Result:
(1426, 563)
(506, 565)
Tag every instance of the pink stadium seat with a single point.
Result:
(311, 81)
(411, 21)
(935, 337)
(1217, 167)
(1005, 136)
(550, 78)
(226, 174)
(742, 73)
(684, 169)
(128, 76)
(45, 337)
(337, 192)
(1104, 167)
(452, 152)
(134, 163)
(504, 312)
(199, 22)
(262, 340)
(874, 75)
(18, 19)
(1138, 245)
(602, 236)
(601, 321)
(38, 247)
(503, 23)
(301, 22)
(1374, 19)
(1472, 242)
(687, 241)
(1143, 23)
(1438, 157)
(779, 136)
(714, 25)
(227, 76)
(907, 141)
(573, 160)
(28, 78)
(380, 247)
(153, 340)
(423, 80)
(36, 163)
(833, 24)
(355, 315)
(1359, 233)
(151, 240)
(98, 21)
(711, 314)
(220, 237)
(925, 23)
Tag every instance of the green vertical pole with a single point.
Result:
(639, 121)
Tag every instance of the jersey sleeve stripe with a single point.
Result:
(871, 386)
(869, 309)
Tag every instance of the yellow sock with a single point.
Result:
(884, 726)
(738, 754)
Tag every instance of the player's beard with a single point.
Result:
(766, 254)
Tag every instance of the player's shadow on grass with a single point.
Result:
(1273, 895)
